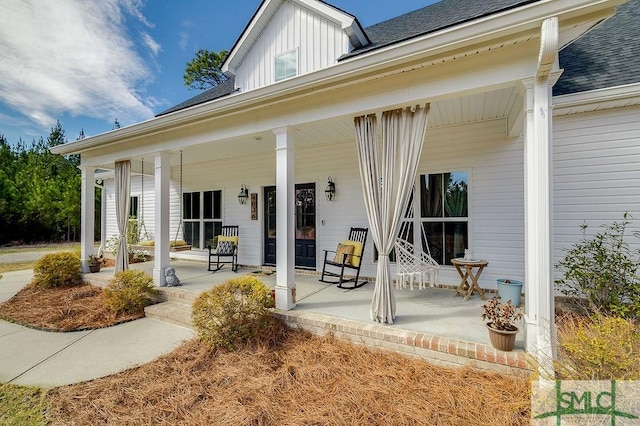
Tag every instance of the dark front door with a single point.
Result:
(305, 245)
(270, 225)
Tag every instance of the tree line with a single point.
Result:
(39, 191)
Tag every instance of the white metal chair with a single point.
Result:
(412, 263)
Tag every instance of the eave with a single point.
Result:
(517, 24)
(596, 100)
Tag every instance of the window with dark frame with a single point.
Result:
(444, 213)
(202, 211)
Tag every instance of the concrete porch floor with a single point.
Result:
(432, 313)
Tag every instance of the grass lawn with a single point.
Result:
(22, 406)
(28, 264)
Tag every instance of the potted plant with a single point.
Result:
(94, 262)
(501, 318)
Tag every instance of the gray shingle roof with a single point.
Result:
(607, 56)
(438, 16)
(223, 89)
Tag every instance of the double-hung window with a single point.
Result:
(444, 212)
(191, 218)
(133, 207)
(202, 217)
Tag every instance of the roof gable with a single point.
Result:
(266, 11)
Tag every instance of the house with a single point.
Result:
(530, 166)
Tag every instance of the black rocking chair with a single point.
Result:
(226, 252)
(349, 258)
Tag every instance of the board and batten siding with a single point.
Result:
(596, 171)
(318, 41)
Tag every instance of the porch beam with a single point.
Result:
(539, 309)
(285, 218)
(87, 212)
(161, 237)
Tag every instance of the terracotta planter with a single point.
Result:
(502, 340)
(94, 267)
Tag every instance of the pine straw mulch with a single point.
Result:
(298, 379)
(62, 309)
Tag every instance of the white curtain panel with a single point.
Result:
(388, 170)
(123, 201)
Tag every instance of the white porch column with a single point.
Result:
(161, 237)
(285, 219)
(538, 139)
(103, 218)
(87, 212)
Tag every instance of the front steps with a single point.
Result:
(174, 306)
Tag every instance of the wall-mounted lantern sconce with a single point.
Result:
(243, 195)
(330, 192)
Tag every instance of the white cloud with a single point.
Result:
(151, 44)
(75, 57)
(184, 41)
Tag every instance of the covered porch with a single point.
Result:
(431, 324)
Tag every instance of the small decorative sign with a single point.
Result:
(254, 206)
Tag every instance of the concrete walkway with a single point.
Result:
(40, 358)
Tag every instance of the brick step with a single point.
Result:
(100, 280)
(177, 313)
(176, 295)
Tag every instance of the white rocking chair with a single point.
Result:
(412, 264)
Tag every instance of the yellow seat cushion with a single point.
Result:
(234, 240)
(146, 243)
(341, 251)
(177, 243)
(357, 251)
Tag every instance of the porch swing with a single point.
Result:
(412, 262)
(146, 244)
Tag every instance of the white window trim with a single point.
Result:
(275, 58)
(201, 220)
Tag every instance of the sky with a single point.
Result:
(90, 62)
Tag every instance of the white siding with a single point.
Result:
(146, 206)
(319, 43)
(496, 187)
(495, 167)
(596, 173)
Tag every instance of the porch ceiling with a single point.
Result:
(492, 105)
(497, 104)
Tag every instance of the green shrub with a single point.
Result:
(601, 272)
(233, 312)
(57, 270)
(598, 348)
(129, 291)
